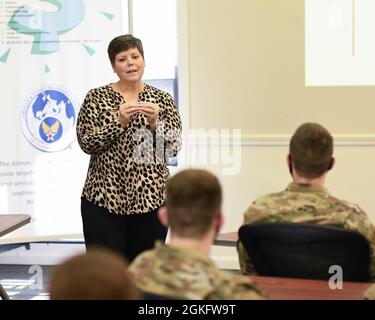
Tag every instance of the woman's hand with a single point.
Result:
(151, 111)
(126, 111)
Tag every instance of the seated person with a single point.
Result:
(99, 274)
(182, 269)
(305, 200)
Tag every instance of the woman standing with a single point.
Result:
(130, 129)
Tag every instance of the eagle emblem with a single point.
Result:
(50, 131)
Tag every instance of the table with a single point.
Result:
(306, 289)
(45, 228)
(9, 223)
(228, 239)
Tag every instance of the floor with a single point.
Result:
(24, 282)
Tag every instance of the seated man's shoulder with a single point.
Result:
(268, 206)
(349, 209)
(275, 199)
(144, 261)
(346, 205)
(351, 216)
(267, 201)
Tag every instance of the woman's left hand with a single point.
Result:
(151, 111)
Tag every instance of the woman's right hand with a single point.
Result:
(126, 111)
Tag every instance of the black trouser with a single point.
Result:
(128, 234)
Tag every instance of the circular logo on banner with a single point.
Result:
(48, 118)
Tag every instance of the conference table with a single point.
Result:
(9, 223)
(305, 289)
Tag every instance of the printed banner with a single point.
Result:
(51, 53)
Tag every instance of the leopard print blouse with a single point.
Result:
(127, 171)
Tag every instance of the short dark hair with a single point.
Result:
(193, 200)
(100, 274)
(123, 43)
(311, 149)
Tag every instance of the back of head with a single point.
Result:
(99, 274)
(193, 201)
(311, 150)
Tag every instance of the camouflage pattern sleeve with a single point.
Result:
(237, 288)
(256, 212)
(246, 265)
(370, 293)
(245, 289)
(372, 255)
(371, 238)
(372, 260)
(359, 221)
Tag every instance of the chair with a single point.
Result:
(301, 250)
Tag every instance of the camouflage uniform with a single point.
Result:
(302, 203)
(187, 274)
(370, 293)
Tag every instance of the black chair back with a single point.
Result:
(302, 250)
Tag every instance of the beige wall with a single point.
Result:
(242, 66)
